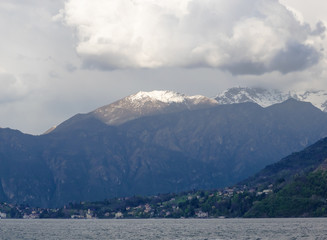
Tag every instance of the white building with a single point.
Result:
(119, 215)
(3, 215)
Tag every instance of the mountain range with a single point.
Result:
(151, 143)
(160, 102)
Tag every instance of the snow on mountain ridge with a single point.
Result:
(317, 97)
(265, 97)
(163, 96)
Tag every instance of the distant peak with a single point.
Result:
(268, 97)
(261, 96)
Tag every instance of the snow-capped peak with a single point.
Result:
(265, 97)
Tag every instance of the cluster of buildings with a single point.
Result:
(32, 215)
(19, 211)
(174, 206)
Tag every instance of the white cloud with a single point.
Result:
(243, 37)
(309, 11)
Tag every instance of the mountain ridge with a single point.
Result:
(149, 103)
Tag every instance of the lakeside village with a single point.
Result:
(228, 202)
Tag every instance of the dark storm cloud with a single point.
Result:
(295, 57)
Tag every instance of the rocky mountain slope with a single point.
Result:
(84, 158)
(144, 104)
(150, 103)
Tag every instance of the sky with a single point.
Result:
(59, 58)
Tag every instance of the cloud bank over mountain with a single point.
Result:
(242, 37)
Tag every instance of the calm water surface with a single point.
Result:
(188, 229)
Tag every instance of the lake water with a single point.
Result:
(184, 229)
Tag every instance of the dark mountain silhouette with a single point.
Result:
(85, 159)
